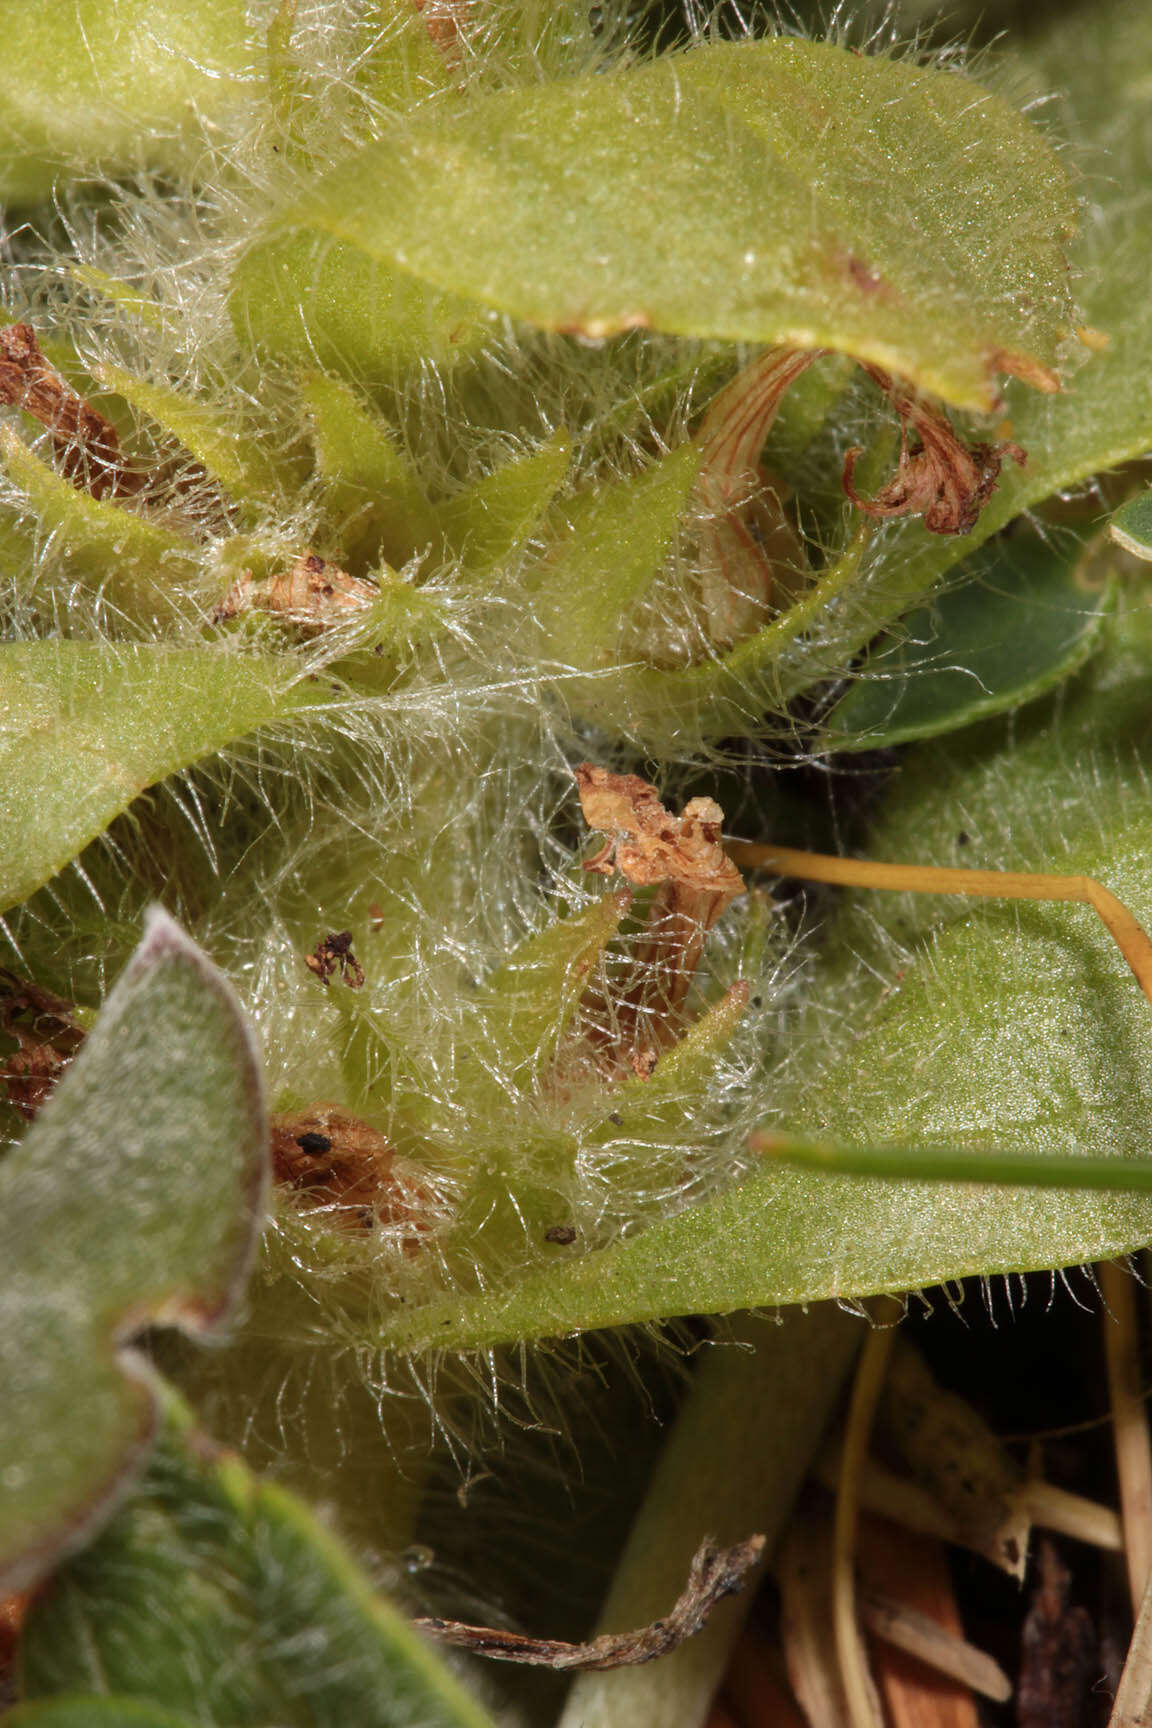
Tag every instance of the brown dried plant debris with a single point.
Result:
(944, 480)
(334, 1160)
(750, 559)
(87, 445)
(47, 1037)
(312, 593)
(1058, 1650)
(714, 1574)
(696, 881)
(332, 954)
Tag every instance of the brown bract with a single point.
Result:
(696, 880)
(312, 593)
(336, 1161)
(945, 481)
(47, 1038)
(649, 845)
(86, 444)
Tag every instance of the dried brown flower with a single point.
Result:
(681, 856)
(336, 1161)
(312, 593)
(944, 480)
(332, 954)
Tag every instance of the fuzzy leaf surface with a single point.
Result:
(220, 1597)
(1103, 417)
(781, 191)
(85, 727)
(1021, 620)
(121, 82)
(978, 1025)
(136, 1196)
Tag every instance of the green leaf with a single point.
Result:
(1020, 620)
(117, 82)
(371, 491)
(1103, 417)
(491, 519)
(221, 444)
(530, 1000)
(136, 1197)
(135, 560)
(221, 1597)
(1131, 526)
(87, 727)
(618, 538)
(782, 191)
(91, 1711)
(302, 298)
(983, 1027)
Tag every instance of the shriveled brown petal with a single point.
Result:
(747, 553)
(945, 481)
(683, 857)
(654, 846)
(335, 1160)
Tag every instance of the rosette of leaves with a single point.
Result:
(405, 406)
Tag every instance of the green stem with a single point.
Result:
(735, 1460)
(949, 1164)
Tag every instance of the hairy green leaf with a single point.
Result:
(136, 1197)
(218, 1596)
(782, 191)
(933, 1022)
(117, 82)
(1021, 620)
(89, 1710)
(88, 726)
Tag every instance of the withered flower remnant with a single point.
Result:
(695, 880)
(332, 954)
(335, 1161)
(312, 593)
(945, 481)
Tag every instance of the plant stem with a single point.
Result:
(733, 1464)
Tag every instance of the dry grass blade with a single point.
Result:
(1129, 1425)
(919, 1635)
(1133, 1706)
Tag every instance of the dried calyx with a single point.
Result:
(338, 1163)
(944, 480)
(681, 856)
(312, 593)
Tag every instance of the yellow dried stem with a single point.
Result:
(1127, 933)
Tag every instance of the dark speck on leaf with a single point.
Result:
(962, 838)
(562, 1234)
(311, 1142)
(616, 1119)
